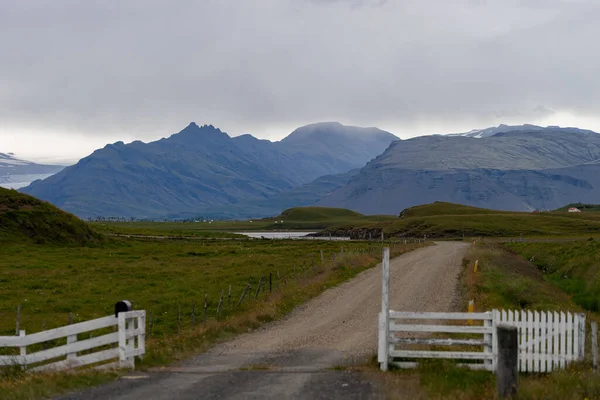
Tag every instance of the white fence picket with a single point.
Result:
(569, 337)
(522, 343)
(536, 341)
(556, 340)
(550, 342)
(563, 340)
(495, 321)
(581, 331)
(543, 340)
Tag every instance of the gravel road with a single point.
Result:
(293, 358)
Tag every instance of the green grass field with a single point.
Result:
(50, 282)
(446, 220)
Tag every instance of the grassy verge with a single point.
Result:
(574, 267)
(163, 277)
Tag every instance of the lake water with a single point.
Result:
(287, 235)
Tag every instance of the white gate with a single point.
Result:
(121, 346)
(547, 340)
(472, 345)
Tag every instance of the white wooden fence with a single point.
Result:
(129, 339)
(547, 340)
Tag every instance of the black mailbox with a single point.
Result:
(123, 306)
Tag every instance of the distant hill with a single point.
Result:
(444, 208)
(202, 167)
(520, 170)
(26, 219)
(323, 217)
(16, 173)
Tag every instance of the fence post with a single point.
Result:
(258, 288)
(18, 328)
(471, 309)
(149, 333)
(220, 303)
(23, 349)
(581, 333)
(489, 339)
(595, 345)
(205, 307)
(178, 319)
(322, 258)
(70, 340)
(142, 335)
(270, 282)
(508, 361)
(123, 363)
(244, 294)
(384, 316)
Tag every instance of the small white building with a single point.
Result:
(574, 209)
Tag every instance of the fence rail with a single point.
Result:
(129, 338)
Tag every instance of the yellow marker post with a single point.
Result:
(471, 309)
(476, 266)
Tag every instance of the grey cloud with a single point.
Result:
(151, 66)
(353, 3)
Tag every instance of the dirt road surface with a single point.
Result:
(295, 358)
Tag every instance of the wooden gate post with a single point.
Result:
(595, 345)
(384, 316)
(508, 361)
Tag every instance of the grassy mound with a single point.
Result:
(443, 208)
(25, 218)
(439, 220)
(317, 214)
(324, 217)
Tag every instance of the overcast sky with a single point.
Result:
(75, 75)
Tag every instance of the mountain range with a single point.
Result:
(202, 171)
(16, 173)
(202, 168)
(512, 169)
